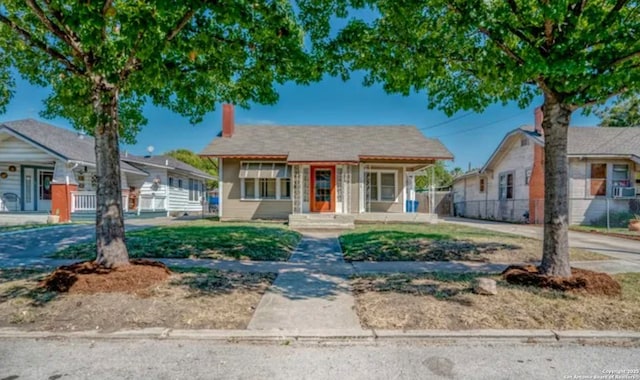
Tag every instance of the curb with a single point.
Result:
(350, 335)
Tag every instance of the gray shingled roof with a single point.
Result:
(168, 163)
(66, 144)
(585, 141)
(320, 143)
(604, 141)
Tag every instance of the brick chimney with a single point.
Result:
(228, 122)
(538, 121)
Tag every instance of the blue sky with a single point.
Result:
(471, 138)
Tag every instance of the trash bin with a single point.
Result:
(412, 206)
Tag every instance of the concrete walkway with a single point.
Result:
(308, 299)
(318, 253)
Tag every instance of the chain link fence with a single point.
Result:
(597, 211)
(506, 210)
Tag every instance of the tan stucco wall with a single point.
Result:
(235, 208)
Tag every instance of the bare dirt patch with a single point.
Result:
(581, 280)
(445, 301)
(194, 298)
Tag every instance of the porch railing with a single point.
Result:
(152, 202)
(87, 201)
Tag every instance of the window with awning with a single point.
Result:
(264, 170)
(265, 180)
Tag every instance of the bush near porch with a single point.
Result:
(228, 241)
(443, 242)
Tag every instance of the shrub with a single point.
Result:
(618, 219)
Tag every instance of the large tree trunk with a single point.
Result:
(555, 253)
(110, 239)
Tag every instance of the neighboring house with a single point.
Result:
(604, 175)
(272, 172)
(46, 169)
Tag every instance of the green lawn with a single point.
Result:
(227, 241)
(443, 242)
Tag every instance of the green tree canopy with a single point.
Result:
(104, 60)
(438, 176)
(624, 112)
(205, 164)
(468, 54)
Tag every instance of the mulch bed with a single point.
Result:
(88, 277)
(581, 280)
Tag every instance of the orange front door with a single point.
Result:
(323, 189)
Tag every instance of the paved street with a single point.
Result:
(25, 359)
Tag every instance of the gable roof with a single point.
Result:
(167, 162)
(327, 144)
(582, 142)
(59, 142)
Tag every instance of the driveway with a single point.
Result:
(30, 247)
(625, 252)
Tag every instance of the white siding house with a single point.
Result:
(45, 169)
(604, 177)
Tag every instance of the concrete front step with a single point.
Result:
(321, 221)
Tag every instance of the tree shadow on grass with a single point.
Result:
(408, 246)
(442, 286)
(205, 242)
(26, 286)
(201, 281)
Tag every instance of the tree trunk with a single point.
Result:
(110, 238)
(555, 252)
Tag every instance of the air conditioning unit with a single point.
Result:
(624, 192)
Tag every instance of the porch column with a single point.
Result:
(63, 183)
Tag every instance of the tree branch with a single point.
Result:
(622, 60)
(616, 8)
(55, 29)
(31, 40)
(593, 102)
(502, 46)
(132, 62)
(184, 20)
(543, 85)
(105, 9)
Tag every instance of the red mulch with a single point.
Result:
(89, 277)
(581, 280)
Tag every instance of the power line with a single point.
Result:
(446, 121)
(482, 125)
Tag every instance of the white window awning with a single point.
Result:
(264, 170)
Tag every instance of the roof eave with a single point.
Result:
(500, 146)
(30, 141)
(405, 158)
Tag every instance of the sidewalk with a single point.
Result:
(306, 298)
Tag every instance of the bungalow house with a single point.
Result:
(45, 169)
(317, 172)
(604, 176)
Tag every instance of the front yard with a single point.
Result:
(443, 242)
(445, 301)
(189, 299)
(203, 240)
